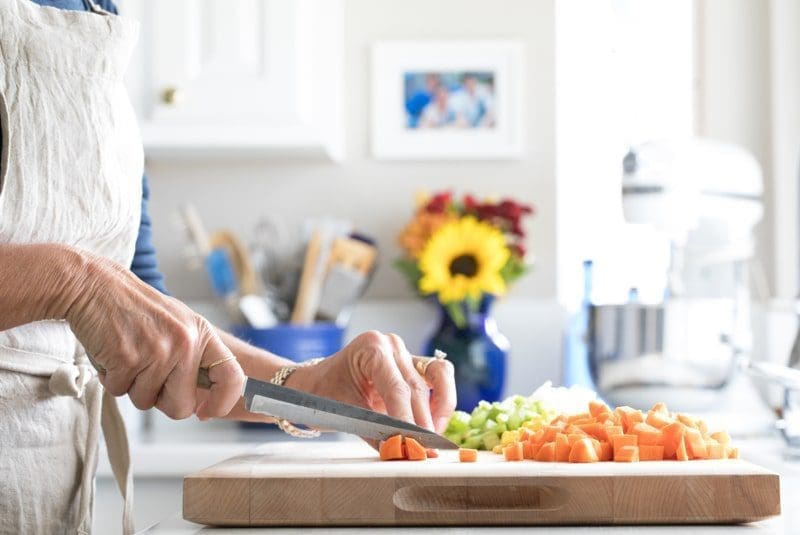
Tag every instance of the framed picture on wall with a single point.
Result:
(447, 100)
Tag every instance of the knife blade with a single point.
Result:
(316, 411)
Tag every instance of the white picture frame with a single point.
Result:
(393, 139)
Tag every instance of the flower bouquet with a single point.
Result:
(465, 253)
(464, 250)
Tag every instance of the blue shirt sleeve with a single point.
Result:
(145, 264)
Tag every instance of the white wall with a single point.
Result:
(378, 196)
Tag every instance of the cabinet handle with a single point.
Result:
(171, 96)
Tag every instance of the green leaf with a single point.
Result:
(513, 269)
(456, 312)
(410, 269)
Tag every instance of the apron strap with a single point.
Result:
(119, 456)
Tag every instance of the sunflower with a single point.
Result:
(462, 259)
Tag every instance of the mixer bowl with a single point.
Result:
(684, 344)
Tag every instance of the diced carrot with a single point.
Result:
(513, 451)
(659, 420)
(660, 407)
(731, 453)
(629, 417)
(687, 420)
(527, 451)
(695, 445)
(681, 453)
(583, 451)
(606, 451)
(651, 453)
(648, 435)
(627, 454)
(563, 448)
(574, 437)
(722, 437)
(525, 434)
(596, 407)
(467, 455)
(559, 418)
(673, 433)
(392, 448)
(550, 433)
(574, 430)
(535, 447)
(547, 453)
(702, 427)
(584, 421)
(594, 430)
(715, 451)
(537, 436)
(613, 430)
(414, 450)
(578, 416)
(620, 441)
(432, 453)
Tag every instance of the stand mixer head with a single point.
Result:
(704, 196)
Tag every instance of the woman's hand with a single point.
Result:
(377, 372)
(150, 345)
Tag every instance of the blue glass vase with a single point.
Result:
(478, 352)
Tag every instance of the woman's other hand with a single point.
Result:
(376, 371)
(150, 345)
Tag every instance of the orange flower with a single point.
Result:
(416, 234)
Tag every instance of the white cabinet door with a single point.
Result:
(228, 76)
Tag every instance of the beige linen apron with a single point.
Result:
(70, 172)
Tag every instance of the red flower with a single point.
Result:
(439, 203)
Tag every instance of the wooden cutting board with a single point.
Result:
(317, 483)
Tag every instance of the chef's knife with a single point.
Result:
(315, 411)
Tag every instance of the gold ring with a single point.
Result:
(422, 363)
(220, 361)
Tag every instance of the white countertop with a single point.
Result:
(767, 452)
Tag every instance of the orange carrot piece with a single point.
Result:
(574, 437)
(583, 451)
(627, 454)
(414, 450)
(596, 407)
(659, 420)
(715, 451)
(527, 451)
(563, 448)
(594, 430)
(681, 453)
(550, 433)
(673, 433)
(513, 451)
(695, 445)
(606, 451)
(659, 407)
(547, 453)
(535, 447)
(432, 453)
(687, 420)
(467, 455)
(648, 435)
(651, 453)
(613, 430)
(620, 441)
(629, 417)
(722, 437)
(733, 453)
(579, 416)
(391, 449)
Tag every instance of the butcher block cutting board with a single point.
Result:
(329, 483)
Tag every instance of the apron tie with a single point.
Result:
(80, 381)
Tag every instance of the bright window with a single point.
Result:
(625, 75)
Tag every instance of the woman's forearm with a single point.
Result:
(38, 282)
(255, 362)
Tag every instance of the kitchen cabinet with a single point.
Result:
(239, 77)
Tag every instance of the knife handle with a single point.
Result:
(203, 381)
